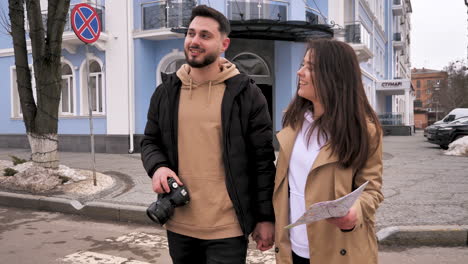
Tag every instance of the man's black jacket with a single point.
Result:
(248, 153)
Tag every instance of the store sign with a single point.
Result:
(394, 84)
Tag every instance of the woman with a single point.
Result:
(330, 145)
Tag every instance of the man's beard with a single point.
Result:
(209, 59)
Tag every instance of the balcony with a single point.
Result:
(159, 17)
(247, 10)
(397, 8)
(358, 37)
(398, 44)
(70, 41)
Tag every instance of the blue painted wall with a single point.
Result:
(148, 54)
(288, 58)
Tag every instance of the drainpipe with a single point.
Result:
(131, 109)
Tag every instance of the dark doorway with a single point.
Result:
(267, 91)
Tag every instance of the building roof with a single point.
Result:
(425, 71)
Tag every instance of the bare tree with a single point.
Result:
(40, 115)
(454, 93)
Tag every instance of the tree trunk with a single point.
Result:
(44, 149)
(40, 115)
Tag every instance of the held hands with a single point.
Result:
(160, 180)
(347, 222)
(264, 235)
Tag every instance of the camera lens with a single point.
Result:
(160, 211)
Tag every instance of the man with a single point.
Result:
(209, 128)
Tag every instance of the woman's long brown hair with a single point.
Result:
(338, 85)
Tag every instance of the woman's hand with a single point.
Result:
(347, 222)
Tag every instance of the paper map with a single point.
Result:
(328, 209)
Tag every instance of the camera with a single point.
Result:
(161, 210)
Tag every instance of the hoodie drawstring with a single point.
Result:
(209, 93)
(190, 94)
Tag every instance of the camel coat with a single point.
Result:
(328, 181)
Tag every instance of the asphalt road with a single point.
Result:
(37, 237)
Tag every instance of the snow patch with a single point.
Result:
(458, 147)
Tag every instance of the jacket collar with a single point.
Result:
(287, 137)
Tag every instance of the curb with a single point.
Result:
(96, 210)
(449, 236)
(410, 236)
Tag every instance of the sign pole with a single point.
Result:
(90, 109)
(87, 27)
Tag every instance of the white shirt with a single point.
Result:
(302, 158)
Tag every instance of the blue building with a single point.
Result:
(137, 44)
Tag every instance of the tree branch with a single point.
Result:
(36, 30)
(23, 73)
(57, 11)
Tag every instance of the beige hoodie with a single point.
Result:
(210, 213)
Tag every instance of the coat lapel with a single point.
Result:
(286, 138)
(324, 157)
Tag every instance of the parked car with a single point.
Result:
(445, 134)
(453, 115)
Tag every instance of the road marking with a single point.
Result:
(142, 239)
(88, 257)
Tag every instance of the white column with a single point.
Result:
(117, 67)
(337, 15)
(407, 121)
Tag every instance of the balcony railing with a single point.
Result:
(99, 9)
(245, 10)
(166, 14)
(391, 118)
(353, 33)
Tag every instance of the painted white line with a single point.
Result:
(88, 257)
(142, 239)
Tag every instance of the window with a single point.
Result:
(251, 64)
(170, 63)
(67, 99)
(418, 94)
(16, 111)
(418, 84)
(96, 87)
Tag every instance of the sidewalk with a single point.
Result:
(426, 192)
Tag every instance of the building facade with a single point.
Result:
(428, 84)
(137, 44)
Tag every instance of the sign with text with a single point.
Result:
(396, 84)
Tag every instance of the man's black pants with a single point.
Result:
(189, 250)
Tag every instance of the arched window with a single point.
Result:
(251, 64)
(96, 87)
(170, 63)
(67, 99)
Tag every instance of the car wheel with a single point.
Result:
(444, 147)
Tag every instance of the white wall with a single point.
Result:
(117, 67)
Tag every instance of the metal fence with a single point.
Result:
(391, 118)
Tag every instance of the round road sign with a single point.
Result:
(85, 23)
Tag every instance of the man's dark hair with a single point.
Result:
(205, 11)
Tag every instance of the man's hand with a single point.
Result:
(346, 222)
(160, 180)
(264, 235)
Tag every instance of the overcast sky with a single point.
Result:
(438, 33)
